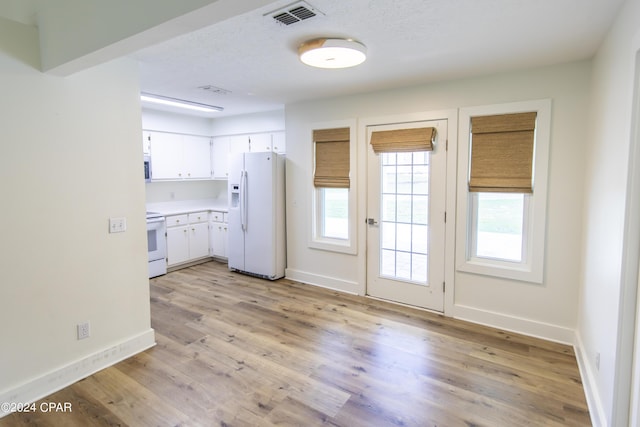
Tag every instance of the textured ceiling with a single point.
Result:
(409, 42)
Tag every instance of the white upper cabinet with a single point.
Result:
(166, 155)
(196, 158)
(220, 157)
(146, 141)
(238, 144)
(260, 142)
(278, 141)
(179, 157)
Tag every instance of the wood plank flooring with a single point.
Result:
(234, 350)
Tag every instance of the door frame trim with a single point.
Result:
(451, 186)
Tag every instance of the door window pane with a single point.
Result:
(420, 209)
(404, 213)
(388, 263)
(419, 268)
(388, 207)
(419, 238)
(404, 229)
(388, 231)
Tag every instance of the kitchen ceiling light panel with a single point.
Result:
(332, 53)
(180, 103)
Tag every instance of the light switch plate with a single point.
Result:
(117, 225)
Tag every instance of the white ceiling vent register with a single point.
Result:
(215, 89)
(294, 12)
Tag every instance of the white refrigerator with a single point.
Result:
(256, 217)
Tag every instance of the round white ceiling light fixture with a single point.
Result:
(332, 53)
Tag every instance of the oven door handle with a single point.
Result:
(155, 220)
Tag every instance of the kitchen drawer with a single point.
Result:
(218, 216)
(224, 217)
(177, 220)
(198, 217)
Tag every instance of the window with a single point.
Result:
(333, 204)
(499, 231)
(333, 208)
(503, 204)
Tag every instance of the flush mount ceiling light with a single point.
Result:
(180, 103)
(332, 53)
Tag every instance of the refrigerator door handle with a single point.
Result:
(243, 200)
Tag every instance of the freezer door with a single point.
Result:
(259, 257)
(235, 245)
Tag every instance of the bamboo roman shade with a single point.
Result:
(403, 140)
(332, 158)
(502, 153)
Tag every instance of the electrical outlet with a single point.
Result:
(117, 225)
(83, 330)
(598, 361)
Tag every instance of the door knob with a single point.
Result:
(371, 221)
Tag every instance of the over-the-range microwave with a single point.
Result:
(147, 168)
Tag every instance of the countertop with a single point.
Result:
(188, 206)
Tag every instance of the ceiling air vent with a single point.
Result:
(215, 89)
(295, 12)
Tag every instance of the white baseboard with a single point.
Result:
(598, 416)
(327, 282)
(515, 324)
(58, 379)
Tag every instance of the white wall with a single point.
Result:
(604, 286)
(248, 123)
(178, 123)
(548, 310)
(70, 160)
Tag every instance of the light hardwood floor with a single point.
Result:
(234, 350)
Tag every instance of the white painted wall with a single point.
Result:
(178, 123)
(548, 310)
(70, 160)
(248, 123)
(606, 186)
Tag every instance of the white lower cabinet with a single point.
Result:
(187, 237)
(198, 235)
(218, 234)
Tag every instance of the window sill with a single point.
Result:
(502, 269)
(333, 245)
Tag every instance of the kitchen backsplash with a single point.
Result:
(171, 191)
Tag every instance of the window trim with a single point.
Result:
(532, 269)
(315, 240)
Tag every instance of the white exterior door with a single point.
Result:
(406, 221)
